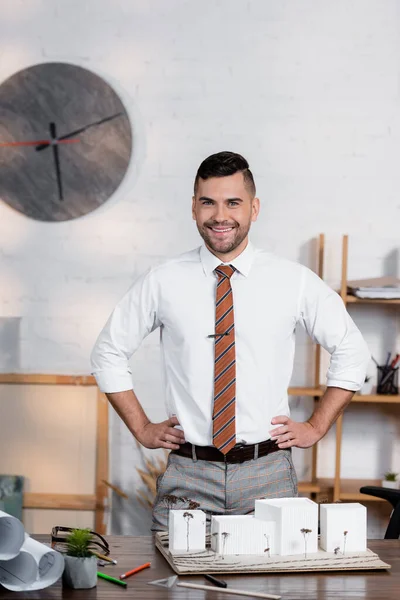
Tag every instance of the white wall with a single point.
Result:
(307, 90)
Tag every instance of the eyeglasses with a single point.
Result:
(59, 540)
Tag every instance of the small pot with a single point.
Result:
(393, 485)
(80, 573)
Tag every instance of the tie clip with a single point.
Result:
(214, 335)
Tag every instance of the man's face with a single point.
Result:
(223, 209)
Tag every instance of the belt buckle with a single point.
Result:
(240, 456)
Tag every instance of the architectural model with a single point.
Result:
(296, 523)
(242, 534)
(279, 527)
(187, 530)
(343, 527)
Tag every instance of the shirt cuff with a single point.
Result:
(351, 386)
(110, 382)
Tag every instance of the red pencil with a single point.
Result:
(129, 573)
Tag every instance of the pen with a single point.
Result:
(218, 582)
(112, 579)
(129, 573)
(388, 359)
(106, 558)
(395, 361)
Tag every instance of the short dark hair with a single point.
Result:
(224, 164)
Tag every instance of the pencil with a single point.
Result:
(106, 558)
(129, 573)
(112, 579)
(208, 588)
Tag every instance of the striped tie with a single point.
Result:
(224, 429)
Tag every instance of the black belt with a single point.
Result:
(238, 454)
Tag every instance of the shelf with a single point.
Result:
(350, 490)
(356, 300)
(305, 391)
(307, 487)
(310, 487)
(40, 379)
(319, 391)
(377, 398)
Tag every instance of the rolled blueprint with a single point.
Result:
(12, 536)
(19, 573)
(30, 564)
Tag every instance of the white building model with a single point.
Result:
(242, 534)
(187, 530)
(280, 526)
(296, 523)
(343, 527)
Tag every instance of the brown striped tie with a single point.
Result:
(224, 429)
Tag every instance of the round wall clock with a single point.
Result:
(65, 141)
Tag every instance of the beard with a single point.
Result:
(224, 245)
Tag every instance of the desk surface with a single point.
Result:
(133, 551)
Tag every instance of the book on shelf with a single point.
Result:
(377, 287)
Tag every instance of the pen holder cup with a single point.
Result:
(388, 380)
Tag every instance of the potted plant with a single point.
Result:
(80, 570)
(390, 480)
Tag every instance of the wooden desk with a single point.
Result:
(133, 551)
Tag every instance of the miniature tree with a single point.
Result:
(336, 550)
(169, 501)
(344, 541)
(267, 549)
(187, 516)
(305, 533)
(188, 503)
(225, 535)
(178, 502)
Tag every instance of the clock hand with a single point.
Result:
(44, 142)
(54, 144)
(81, 130)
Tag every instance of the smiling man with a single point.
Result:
(228, 314)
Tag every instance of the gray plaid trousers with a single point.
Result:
(223, 489)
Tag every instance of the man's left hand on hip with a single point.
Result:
(291, 433)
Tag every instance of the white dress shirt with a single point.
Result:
(271, 297)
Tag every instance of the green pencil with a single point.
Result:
(112, 579)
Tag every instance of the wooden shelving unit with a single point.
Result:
(349, 489)
(98, 500)
(337, 488)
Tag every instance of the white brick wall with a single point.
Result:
(307, 90)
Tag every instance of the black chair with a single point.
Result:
(392, 496)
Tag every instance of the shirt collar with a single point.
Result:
(242, 263)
